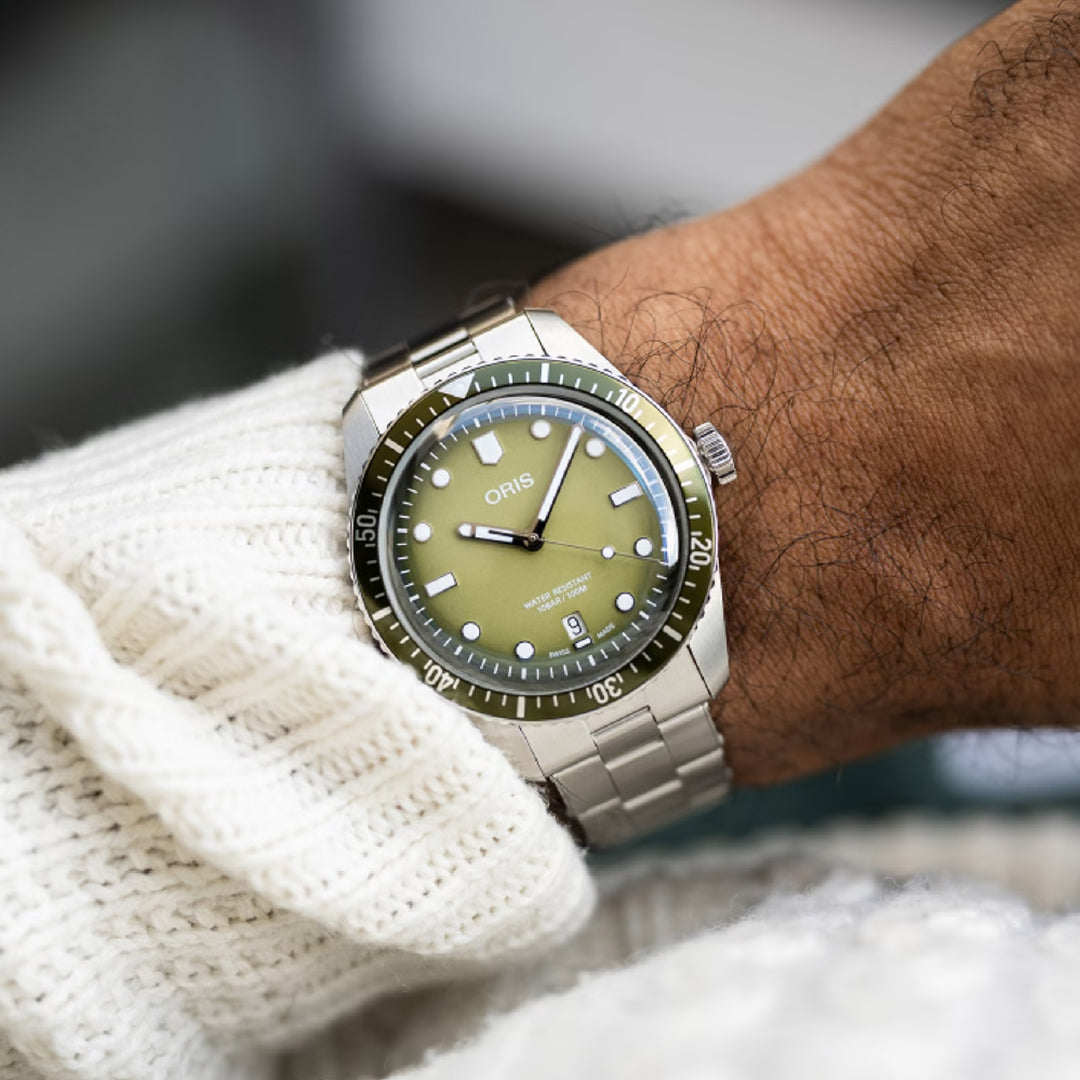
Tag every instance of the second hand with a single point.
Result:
(600, 551)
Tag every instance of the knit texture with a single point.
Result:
(227, 820)
(805, 955)
(856, 978)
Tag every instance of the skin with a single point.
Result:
(891, 342)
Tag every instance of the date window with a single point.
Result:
(575, 628)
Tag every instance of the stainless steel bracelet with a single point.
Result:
(442, 348)
(636, 765)
(644, 774)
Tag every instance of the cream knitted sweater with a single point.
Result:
(232, 834)
(226, 820)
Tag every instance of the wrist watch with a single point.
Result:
(536, 538)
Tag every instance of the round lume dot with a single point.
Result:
(470, 631)
(540, 429)
(440, 478)
(643, 547)
(594, 448)
(607, 551)
(421, 532)
(624, 601)
(524, 650)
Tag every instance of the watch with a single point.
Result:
(536, 537)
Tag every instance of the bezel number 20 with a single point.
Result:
(700, 550)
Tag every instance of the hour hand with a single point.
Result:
(495, 534)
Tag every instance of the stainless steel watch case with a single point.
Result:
(629, 732)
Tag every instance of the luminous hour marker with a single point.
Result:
(626, 494)
(441, 584)
(624, 601)
(540, 429)
(488, 449)
(524, 650)
(470, 631)
(440, 477)
(608, 552)
(643, 547)
(421, 531)
(594, 448)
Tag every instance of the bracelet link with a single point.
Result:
(644, 774)
(446, 345)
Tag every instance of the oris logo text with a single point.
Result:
(511, 487)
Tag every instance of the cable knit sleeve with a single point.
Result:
(226, 820)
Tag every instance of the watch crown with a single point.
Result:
(715, 452)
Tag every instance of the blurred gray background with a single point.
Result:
(192, 195)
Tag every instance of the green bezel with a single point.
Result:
(649, 424)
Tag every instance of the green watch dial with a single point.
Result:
(530, 545)
(529, 540)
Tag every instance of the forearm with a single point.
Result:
(889, 342)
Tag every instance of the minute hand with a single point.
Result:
(556, 481)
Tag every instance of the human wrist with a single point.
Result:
(713, 349)
(888, 340)
(866, 577)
